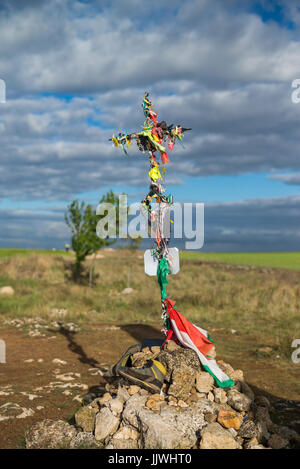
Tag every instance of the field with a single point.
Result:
(281, 260)
(249, 302)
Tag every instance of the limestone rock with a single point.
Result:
(106, 424)
(127, 291)
(104, 399)
(140, 359)
(204, 382)
(248, 430)
(84, 440)
(238, 400)
(7, 291)
(133, 389)
(132, 407)
(123, 394)
(171, 345)
(179, 358)
(123, 444)
(182, 403)
(220, 396)
(126, 432)
(49, 434)
(237, 375)
(115, 405)
(229, 419)
(85, 418)
(151, 403)
(173, 428)
(210, 417)
(226, 368)
(155, 349)
(216, 437)
(182, 381)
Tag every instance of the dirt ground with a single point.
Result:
(98, 346)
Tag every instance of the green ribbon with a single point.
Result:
(162, 272)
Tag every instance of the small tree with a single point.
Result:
(82, 221)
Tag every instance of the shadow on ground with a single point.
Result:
(74, 347)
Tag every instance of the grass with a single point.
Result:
(5, 253)
(262, 304)
(282, 260)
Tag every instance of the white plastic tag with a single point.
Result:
(151, 261)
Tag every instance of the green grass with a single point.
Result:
(7, 253)
(282, 260)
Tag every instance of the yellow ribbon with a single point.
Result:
(115, 140)
(154, 173)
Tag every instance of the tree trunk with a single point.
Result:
(91, 271)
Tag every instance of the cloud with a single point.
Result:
(76, 72)
(292, 179)
(270, 224)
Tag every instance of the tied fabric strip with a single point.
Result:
(197, 339)
(162, 272)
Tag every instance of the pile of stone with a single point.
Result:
(191, 412)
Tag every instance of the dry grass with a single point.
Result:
(254, 301)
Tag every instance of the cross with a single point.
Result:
(153, 138)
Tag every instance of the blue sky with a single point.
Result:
(224, 69)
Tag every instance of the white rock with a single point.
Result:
(126, 433)
(58, 361)
(83, 439)
(65, 377)
(7, 291)
(220, 396)
(204, 382)
(106, 424)
(238, 401)
(116, 405)
(127, 291)
(216, 437)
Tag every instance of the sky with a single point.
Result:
(76, 72)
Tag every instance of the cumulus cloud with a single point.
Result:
(76, 71)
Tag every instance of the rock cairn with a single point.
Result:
(191, 412)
